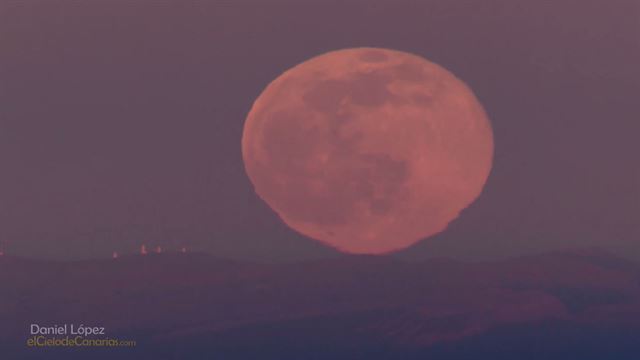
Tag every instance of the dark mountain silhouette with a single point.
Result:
(184, 306)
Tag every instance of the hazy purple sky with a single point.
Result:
(120, 121)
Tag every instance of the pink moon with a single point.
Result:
(367, 150)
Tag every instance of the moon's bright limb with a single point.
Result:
(367, 150)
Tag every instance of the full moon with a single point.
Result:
(367, 150)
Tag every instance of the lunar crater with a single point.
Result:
(373, 56)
